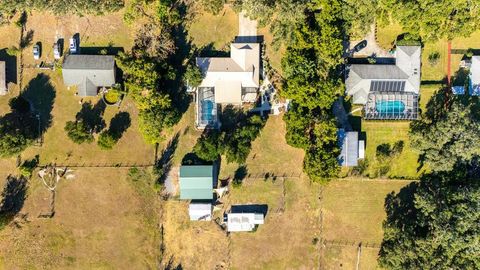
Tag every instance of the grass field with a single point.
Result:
(353, 212)
(285, 240)
(89, 229)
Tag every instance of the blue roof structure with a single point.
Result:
(458, 90)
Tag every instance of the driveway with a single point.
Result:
(247, 29)
(372, 47)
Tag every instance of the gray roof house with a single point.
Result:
(352, 149)
(89, 72)
(388, 91)
(3, 80)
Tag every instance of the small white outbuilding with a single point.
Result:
(243, 222)
(200, 211)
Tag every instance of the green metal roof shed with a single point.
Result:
(196, 182)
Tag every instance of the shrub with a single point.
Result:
(469, 53)
(107, 140)
(13, 51)
(27, 167)
(433, 58)
(193, 76)
(78, 132)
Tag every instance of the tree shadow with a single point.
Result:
(13, 197)
(10, 66)
(164, 163)
(92, 116)
(240, 175)
(461, 77)
(27, 39)
(41, 95)
(177, 61)
(120, 123)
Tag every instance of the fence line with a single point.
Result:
(351, 243)
(98, 165)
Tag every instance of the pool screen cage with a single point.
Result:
(206, 107)
(391, 106)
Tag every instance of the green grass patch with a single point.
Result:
(386, 35)
(353, 211)
(217, 30)
(401, 165)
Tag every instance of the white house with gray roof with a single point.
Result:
(89, 73)
(388, 91)
(232, 80)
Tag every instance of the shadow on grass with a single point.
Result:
(164, 163)
(41, 94)
(13, 197)
(109, 50)
(120, 123)
(92, 116)
(250, 208)
(10, 66)
(239, 175)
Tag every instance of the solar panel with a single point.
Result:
(387, 86)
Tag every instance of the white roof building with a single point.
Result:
(3, 81)
(475, 76)
(243, 222)
(232, 76)
(200, 211)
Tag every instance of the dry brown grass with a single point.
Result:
(192, 245)
(291, 224)
(101, 221)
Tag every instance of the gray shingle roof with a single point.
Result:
(89, 72)
(3, 81)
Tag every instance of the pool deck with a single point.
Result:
(409, 101)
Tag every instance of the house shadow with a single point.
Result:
(41, 94)
(10, 66)
(249, 39)
(250, 208)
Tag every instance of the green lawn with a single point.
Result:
(402, 166)
(353, 211)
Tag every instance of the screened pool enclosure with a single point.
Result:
(391, 106)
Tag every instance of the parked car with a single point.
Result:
(360, 46)
(56, 51)
(73, 46)
(36, 51)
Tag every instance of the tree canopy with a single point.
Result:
(445, 136)
(433, 224)
(434, 19)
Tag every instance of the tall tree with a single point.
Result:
(447, 136)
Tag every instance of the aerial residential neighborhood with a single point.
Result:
(206, 134)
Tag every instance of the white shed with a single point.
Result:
(243, 222)
(200, 211)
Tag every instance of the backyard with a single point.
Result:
(353, 213)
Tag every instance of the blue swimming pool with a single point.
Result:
(390, 106)
(207, 110)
